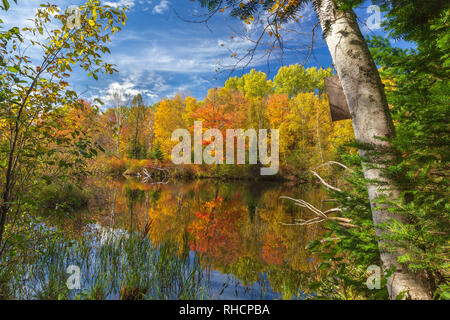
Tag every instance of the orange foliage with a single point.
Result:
(215, 231)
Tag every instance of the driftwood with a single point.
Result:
(154, 175)
(322, 180)
(321, 215)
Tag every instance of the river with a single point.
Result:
(238, 228)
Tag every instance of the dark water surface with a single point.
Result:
(236, 227)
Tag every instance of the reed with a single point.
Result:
(113, 265)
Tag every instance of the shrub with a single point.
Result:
(116, 166)
(62, 198)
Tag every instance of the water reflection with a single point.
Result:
(234, 226)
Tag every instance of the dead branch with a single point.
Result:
(334, 162)
(152, 178)
(324, 183)
(322, 216)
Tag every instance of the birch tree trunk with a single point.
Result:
(371, 119)
(118, 126)
(151, 120)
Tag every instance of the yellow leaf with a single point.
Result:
(275, 6)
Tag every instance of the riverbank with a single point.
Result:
(225, 172)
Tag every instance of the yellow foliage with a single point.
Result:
(169, 117)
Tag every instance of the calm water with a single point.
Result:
(236, 228)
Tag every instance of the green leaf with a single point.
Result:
(5, 4)
(401, 295)
(12, 69)
(324, 266)
(404, 258)
(312, 244)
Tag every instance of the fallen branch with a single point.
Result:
(324, 183)
(152, 178)
(322, 216)
(334, 162)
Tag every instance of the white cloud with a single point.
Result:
(196, 58)
(150, 85)
(161, 7)
(125, 88)
(120, 3)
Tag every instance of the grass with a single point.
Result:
(112, 265)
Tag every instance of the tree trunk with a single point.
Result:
(3, 211)
(118, 127)
(319, 144)
(371, 118)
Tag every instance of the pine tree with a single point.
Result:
(157, 152)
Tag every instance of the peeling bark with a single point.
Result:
(371, 118)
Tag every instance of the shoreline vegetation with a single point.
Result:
(112, 265)
(134, 168)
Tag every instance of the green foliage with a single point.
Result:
(6, 5)
(36, 100)
(245, 10)
(62, 199)
(157, 152)
(348, 4)
(347, 252)
(137, 149)
(417, 89)
(294, 79)
(113, 266)
(420, 99)
(253, 84)
(413, 19)
(136, 117)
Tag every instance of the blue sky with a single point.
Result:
(158, 54)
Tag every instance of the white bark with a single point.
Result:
(118, 127)
(371, 118)
(151, 121)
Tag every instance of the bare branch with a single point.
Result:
(334, 162)
(325, 183)
(322, 216)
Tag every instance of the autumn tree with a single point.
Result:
(151, 126)
(120, 100)
(256, 87)
(222, 109)
(33, 93)
(295, 79)
(168, 117)
(136, 121)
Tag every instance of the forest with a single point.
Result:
(134, 135)
(358, 209)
